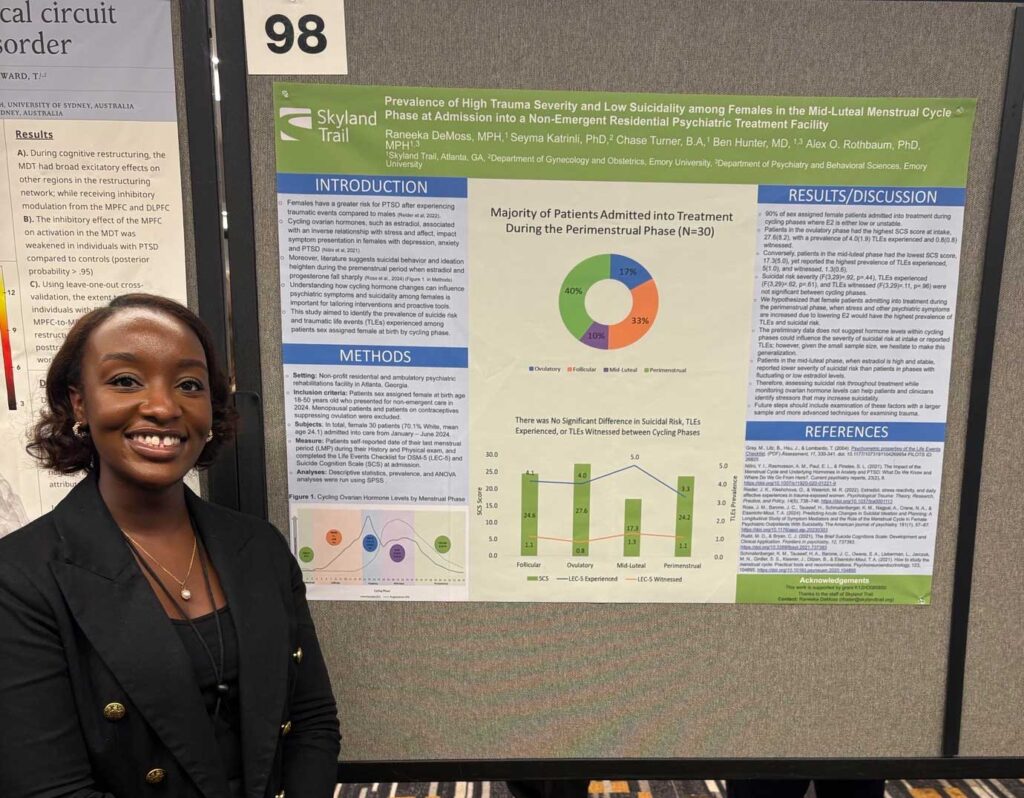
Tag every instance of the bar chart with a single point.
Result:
(577, 516)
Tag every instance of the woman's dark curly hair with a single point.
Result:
(52, 440)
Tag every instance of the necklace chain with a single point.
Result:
(223, 689)
(186, 594)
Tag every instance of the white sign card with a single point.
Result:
(295, 37)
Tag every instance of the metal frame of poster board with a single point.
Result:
(236, 478)
(245, 326)
(222, 477)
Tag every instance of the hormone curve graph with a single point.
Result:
(632, 526)
(380, 546)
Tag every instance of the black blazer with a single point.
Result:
(80, 628)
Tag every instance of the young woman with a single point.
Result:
(152, 643)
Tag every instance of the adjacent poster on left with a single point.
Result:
(90, 196)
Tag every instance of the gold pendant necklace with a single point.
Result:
(185, 593)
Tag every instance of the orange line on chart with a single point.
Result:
(608, 537)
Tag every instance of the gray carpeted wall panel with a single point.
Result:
(498, 681)
(993, 723)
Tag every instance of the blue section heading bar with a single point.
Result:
(444, 357)
(371, 185)
(859, 195)
(847, 431)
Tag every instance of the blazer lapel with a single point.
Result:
(251, 586)
(117, 610)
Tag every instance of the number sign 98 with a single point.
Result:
(281, 32)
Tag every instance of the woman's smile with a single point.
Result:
(156, 444)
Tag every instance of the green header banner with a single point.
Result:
(606, 136)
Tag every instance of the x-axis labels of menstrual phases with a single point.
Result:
(616, 347)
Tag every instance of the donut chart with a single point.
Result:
(573, 295)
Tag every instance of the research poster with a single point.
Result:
(90, 196)
(602, 347)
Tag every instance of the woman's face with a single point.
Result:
(145, 398)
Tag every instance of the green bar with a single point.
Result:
(581, 510)
(631, 528)
(684, 517)
(533, 579)
(528, 545)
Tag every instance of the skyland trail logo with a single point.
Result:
(332, 127)
(295, 117)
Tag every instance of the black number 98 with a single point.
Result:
(281, 32)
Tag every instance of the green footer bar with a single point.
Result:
(832, 589)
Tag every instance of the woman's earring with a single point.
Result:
(77, 431)
(209, 436)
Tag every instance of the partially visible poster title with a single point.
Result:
(49, 28)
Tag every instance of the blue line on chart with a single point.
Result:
(609, 474)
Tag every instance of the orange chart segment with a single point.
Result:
(641, 316)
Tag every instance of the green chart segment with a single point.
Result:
(528, 541)
(573, 295)
(684, 517)
(631, 528)
(581, 510)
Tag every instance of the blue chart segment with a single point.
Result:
(343, 545)
(572, 299)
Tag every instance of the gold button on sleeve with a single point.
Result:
(297, 656)
(156, 775)
(280, 794)
(286, 727)
(114, 711)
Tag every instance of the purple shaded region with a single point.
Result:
(394, 530)
(596, 336)
(628, 272)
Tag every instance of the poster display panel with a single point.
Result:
(90, 197)
(604, 347)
